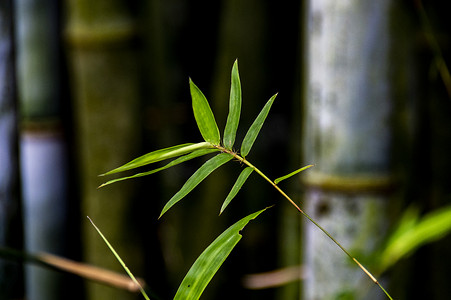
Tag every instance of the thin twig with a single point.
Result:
(244, 161)
(83, 270)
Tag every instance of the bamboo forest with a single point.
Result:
(272, 151)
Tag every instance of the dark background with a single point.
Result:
(169, 42)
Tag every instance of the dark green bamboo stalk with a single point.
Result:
(105, 85)
(11, 281)
(241, 35)
(430, 184)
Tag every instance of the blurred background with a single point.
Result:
(86, 86)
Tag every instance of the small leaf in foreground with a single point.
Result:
(120, 260)
(177, 161)
(209, 262)
(160, 155)
(413, 233)
(201, 173)
(234, 109)
(204, 116)
(253, 131)
(291, 174)
(236, 187)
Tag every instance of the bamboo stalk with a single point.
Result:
(348, 135)
(11, 276)
(104, 68)
(241, 35)
(42, 142)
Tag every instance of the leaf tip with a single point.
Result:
(162, 212)
(222, 210)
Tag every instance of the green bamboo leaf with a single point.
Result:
(253, 131)
(209, 262)
(291, 174)
(204, 116)
(130, 274)
(236, 187)
(160, 155)
(201, 173)
(234, 109)
(177, 161)
(409, 219)
(414, 233)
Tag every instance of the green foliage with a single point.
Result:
(255, 128)
(209, 130)
(177, 161)
(159, 155)
(208, 263)
(211, 259)
(234, 109)
(202, 173)
(119, 259)
(236, 187)
(413, 232)
(276, 181)
(204, 116)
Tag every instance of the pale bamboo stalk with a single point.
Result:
(348, 135)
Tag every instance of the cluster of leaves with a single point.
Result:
(212, 258)
(212, 143)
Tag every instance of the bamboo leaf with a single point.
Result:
(177, 161)
(291, 174)
(234, 108)
(160, 155)
(202, 173)
(130, 274)
(253, 131)
(209, 262)
(204, 116)
(236, 187)
(431, 227)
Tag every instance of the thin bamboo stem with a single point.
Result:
(246, 162)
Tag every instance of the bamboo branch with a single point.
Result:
(83, 270)
(244, 161)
